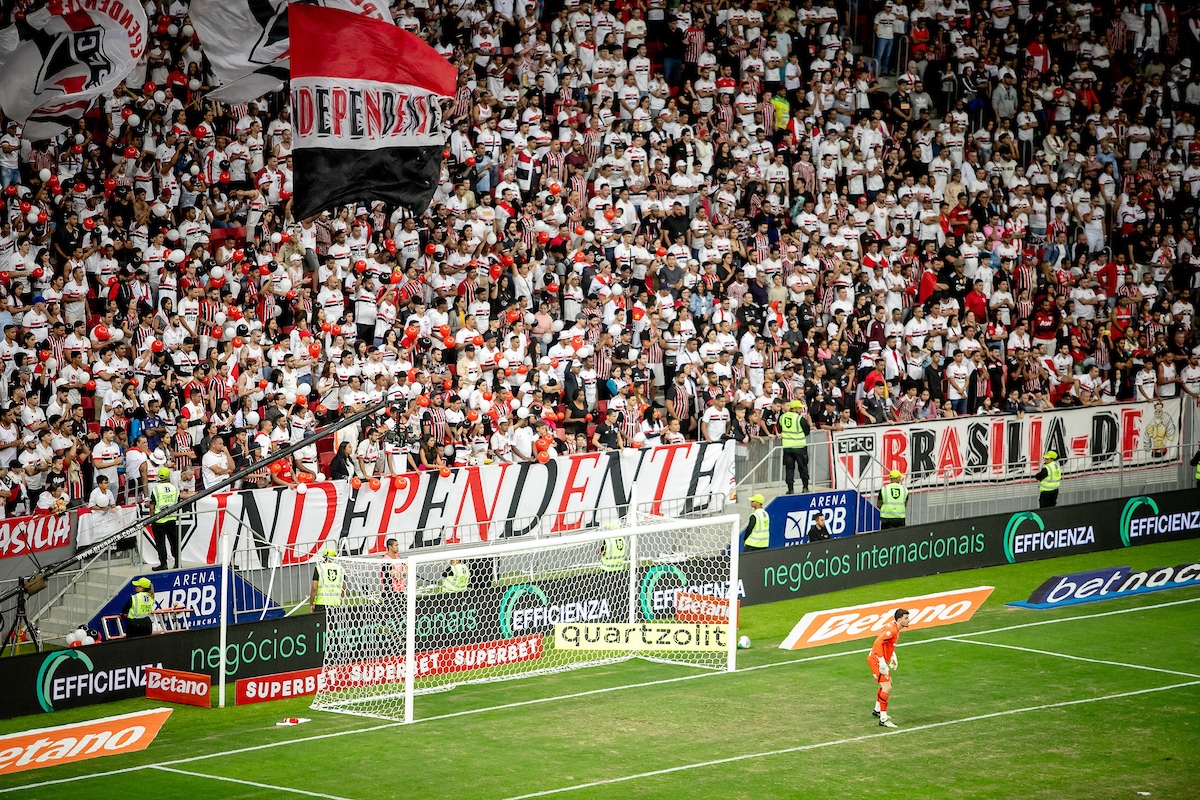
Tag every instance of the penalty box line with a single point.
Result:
(850, 740)
(255, 784)
(1077, 658)
(576, 695)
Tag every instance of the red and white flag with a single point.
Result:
(366, 111)
(58, 58)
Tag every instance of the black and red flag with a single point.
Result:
(366, 110)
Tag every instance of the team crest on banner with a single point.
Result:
(62, 56)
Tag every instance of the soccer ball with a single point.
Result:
(744, 643)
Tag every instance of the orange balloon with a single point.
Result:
(356, 483)
(375, 484)
(543, 457)
(445, 472)
(400, 481)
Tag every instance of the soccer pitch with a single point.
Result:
(1093, 701)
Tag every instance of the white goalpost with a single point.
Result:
(650, 587)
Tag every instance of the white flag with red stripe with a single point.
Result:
(366, 111)
(58, 58)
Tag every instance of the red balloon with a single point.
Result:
(542, 445)
(285, 237)
(444, 330)
(610, 215)
(43, 355)
(444, 472)
(262, 385)
(448, 342)
(90, 386)
(423, 401)
(223, 177)
(149, 87)
(472, 415)
(326, 327)
(276, 467)
(487, 396)
(237, 343)
(314, 350)
(26, 206)
(111, 183)
(239, 255)
(43, 218)
(390, 245)
(447, 385)
(560, 416)
(80, 187)
(102, 333)
(521, 370)
(507, 373)
(543, 237)
(395, 278)
(356, 483)
(580, 257)
(156, 346)
(477, 341)
(552, 288)
(264, 269)
(336, 330)
(302, 400)
(543, 457)
(89, 224)
(508, 260)
(399, 481)
(555, 188)
(495, 271)
(660, 252)
(576, 342)
(446, 152)
(470, 161)
(512, 315)
(360, 266)
(374, 484)
(579, 230)
(131, 152)
(321, 409)
(412, 331)
(587, 417)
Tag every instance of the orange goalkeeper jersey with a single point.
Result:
(885, 642)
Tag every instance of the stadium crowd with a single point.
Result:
(653, 225)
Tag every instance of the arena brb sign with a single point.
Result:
(860, 622)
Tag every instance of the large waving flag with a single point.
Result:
(366, 111)
(247, 42)
(63, 55)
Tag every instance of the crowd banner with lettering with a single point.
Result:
(473, 504)
(990, 449)
(20, 536)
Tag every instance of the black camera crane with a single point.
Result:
(36, 582)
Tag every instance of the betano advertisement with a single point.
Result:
(971, 450)
(966, 544)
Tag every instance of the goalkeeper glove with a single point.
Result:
(892, 662)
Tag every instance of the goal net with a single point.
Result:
(648, 587)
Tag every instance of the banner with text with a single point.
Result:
(473, 504)
(988, 449)
(20, 536)
(846, 513)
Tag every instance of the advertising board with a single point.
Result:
(846, 513)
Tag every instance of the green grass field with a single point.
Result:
(1106, 709)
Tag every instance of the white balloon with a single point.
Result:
(117, 335)
(160, 96)
(177, 256)
(320, 477)
(258, 397)
(230, 332)
(193, 84)
(588, 236)
(32, 217)
(172, 29)
(159, 210)
(85, 640)
(51, 365)
(618, 290)
(556, 326)
(302, 489)
(502, 363)
(548, 338)
(45, 175)
(79, 138)
(530, 319)
(287, 186)
(194, 169)
(276, 238)
(217, 273)
(219, 318)
(73, 637)
(134, 120)
(188, 30)
(522, 413)
(252, 419)
(172, 235)
(491, 238)
(289, 397)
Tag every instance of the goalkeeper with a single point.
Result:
(882, 661)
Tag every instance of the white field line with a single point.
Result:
(255, 784)
(851, 740)
(576, 695)
(1080, 658)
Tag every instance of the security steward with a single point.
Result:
(893, 502)
(612, 556)
(794, 429)
(1049, 477)
(456, 577)
(327, 582)
(139, 608)
(757, 535)
(164, 494)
